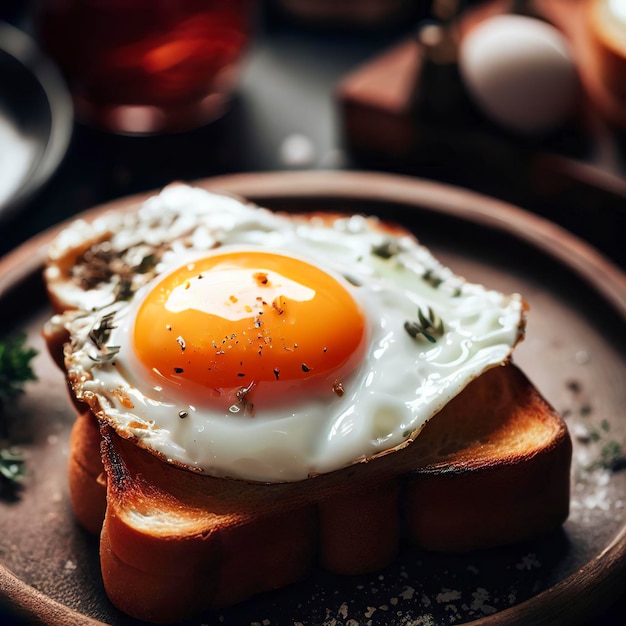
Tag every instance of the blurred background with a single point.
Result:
(524, 101)
(444, 90)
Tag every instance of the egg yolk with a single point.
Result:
(249, 320)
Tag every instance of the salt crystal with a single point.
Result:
(407, 593)
(446, 595)
(479, 602)
(343, 610)
(582, 357)
(529, 562)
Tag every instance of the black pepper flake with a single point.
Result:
(574, 386)
(182, 414)
(181, 342)
(261, 278)
(305, 367)
(278, 305)
(179, 370)
(276, 373)
(240, 374)
(338, 388)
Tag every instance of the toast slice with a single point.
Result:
(492, 468)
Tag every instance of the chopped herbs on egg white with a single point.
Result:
(432, 278)
(101, 262)
(99, 335)
(429, 326)
(387, 249)
(101, 332)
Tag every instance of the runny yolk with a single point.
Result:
(249, 320)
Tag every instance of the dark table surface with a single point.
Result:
(288, 95)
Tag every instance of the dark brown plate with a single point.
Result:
(574, 352)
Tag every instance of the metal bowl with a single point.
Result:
(36, 117)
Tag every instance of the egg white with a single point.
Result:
(401, 382)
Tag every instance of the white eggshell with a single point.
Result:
(520, 72)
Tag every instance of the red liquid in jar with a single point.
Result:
(147, 65)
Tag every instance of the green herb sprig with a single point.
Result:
(430, 326)
(15, 367)
(12, 466)
(15, 371)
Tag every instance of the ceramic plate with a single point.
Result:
(574, 352)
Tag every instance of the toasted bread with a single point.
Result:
(490, 468)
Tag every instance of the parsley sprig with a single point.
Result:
(15, 371)
(15, 367)
(12, 466)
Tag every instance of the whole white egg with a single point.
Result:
(520, 71)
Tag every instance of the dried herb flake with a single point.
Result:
(429, 326)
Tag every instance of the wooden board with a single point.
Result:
(383, 90)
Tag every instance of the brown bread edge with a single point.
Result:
(242, 539)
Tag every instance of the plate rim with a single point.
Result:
(600, 576)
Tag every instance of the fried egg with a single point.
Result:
(249, 344)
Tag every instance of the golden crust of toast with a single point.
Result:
(491, 468)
